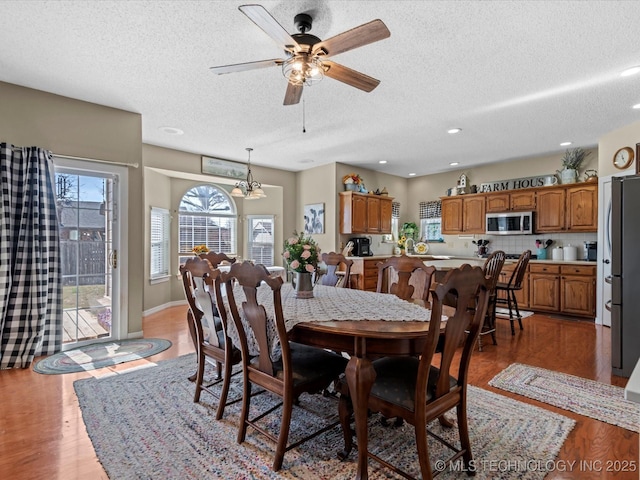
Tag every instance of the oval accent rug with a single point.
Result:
(98, 355)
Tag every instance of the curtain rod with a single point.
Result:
(97, 160)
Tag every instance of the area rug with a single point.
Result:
(504, 313)
(144, 425)
(579, 395)
(98, 355)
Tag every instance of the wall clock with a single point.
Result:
(623, 158)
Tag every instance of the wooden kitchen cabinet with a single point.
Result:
(550, 214)
(463, 214)
(363, 213)
(473, 216)
(578, 290)
(365, 271)
(544, 287)
(582, 208)
(506, 202)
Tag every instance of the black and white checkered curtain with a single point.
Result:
(30, 270)
(395, 209)
(430, 209)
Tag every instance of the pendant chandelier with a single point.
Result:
(249, 188)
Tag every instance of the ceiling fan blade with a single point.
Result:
(354, 38)
(241, 67)
(263, 19)
(293, 94)
(348, 76)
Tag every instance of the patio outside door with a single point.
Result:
(87, 202)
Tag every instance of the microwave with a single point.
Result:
(509, 223)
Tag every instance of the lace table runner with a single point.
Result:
(328, 304)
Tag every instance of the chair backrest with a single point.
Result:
(404, 267)
(492, 268)
(521, 267)
(333, 261)
(217, 258)
(254, 316)
(197, 278)
(469, 287)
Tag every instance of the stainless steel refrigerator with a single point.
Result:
(625, 274)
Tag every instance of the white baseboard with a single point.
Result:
(159, 308)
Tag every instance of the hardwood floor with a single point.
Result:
(42, 435)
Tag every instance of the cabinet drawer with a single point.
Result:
(543, 268)
(578, 270)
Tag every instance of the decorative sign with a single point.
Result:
(224, 168)
(518, 183)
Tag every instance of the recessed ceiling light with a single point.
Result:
(454, 130)
(454, 164)
(172, 130)
(630, 71)
(636, 106)
(412, 174)
(305, 160)
(382, 161)
(565, 144)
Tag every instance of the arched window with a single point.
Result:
(207, 216)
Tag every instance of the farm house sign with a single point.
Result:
(518, 183)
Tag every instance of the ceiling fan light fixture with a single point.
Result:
(249, 188)
(303, 69)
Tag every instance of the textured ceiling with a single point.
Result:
(518, 77)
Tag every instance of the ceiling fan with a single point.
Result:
(306, 55)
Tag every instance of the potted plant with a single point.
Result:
(571, 162)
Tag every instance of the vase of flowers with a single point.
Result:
(352, 182)
(198, 249)
(301, 255)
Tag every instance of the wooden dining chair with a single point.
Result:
(333, 261)
(210, 326)
(399, 276)
(300, 368)
(413, 389)
(492, 268)
(510, 288)
(217, 258)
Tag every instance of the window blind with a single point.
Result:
(160, 222)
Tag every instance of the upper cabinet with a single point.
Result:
(463, 214)
(364, 213)
(572, 208)
(560, 208)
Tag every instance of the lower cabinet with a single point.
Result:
(365, 271)
(565, 288)
(544, 287)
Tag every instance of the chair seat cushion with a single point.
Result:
(396, 381)
(311, 364)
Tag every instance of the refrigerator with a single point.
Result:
(625, 274)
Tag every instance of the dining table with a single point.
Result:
(364, 325)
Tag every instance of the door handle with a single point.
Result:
(607, 305)
(608, 279)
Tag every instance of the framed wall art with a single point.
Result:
(314, 218)
(224, 168)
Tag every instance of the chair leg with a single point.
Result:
(515, 302)
(199, 375)
(287, 407)
(493, 321)
(423, 449)
(510, 304)
(463, 431)
(246, 404)
(226, 380)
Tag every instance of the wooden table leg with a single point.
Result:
(360, 376)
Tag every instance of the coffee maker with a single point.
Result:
(361, 247)
(591, 251)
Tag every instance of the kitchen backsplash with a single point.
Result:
(463, 246)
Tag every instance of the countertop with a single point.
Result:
(632, 390)
(476, 259)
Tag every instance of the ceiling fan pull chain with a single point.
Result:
(304, 130)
